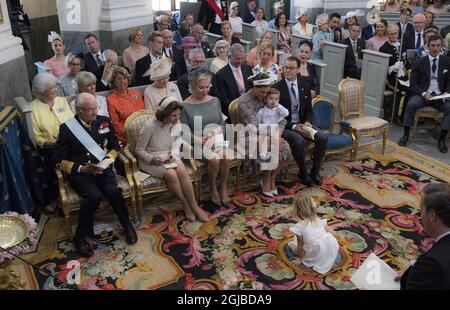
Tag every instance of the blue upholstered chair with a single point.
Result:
(323, 117)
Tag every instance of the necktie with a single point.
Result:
(355, 49)
(434, 66)
(293, 90)
(99, 60)
(419, 39)
(170, 53)
(240, 81)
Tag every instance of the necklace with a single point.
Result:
(137, 50)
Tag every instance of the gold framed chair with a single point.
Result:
(70, 201)
(150, 185)
(351, 108)
(323, 117)
(427, 112)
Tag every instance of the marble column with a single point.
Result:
(117, 17)
(13, 68)
(77, 18)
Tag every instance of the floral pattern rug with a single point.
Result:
(372, 204)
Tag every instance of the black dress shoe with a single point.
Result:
(442, 146)
(403, 140)
(305, 180)
(130, 234)
(316, 178)
(82, 247)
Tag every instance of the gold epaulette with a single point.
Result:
(113, 154)
(66, 166)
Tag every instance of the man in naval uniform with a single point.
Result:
(212, 13)
(83, 143)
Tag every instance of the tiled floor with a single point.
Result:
(424, 142)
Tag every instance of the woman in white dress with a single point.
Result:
(302, 28)
(161, 88)
(315, 244)
(259, 22)
(235, 20)
(265, 64)
(221, 51)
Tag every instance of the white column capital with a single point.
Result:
(124, 14)
(10, 46)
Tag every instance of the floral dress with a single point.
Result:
(272, 71)
(248, 109)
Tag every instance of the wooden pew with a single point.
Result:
(249, 34)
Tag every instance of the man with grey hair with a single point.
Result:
(170, 49)
(231, 80)
(86, 149)
(196, 59)
(197, 33)
(103, 72)
(414, 39)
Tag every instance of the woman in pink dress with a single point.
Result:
(58, 62)
(379, 38)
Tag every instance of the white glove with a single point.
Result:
(399, 65)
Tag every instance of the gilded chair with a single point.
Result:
(150, 185)
(427, 112)
(70, 201)
(353, 121)
(323, 117)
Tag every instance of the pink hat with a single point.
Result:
(188, 42)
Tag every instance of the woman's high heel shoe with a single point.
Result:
(267, 194)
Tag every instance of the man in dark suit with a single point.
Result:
(295, 96)
(198, 32)
(83, 142)
(335, 20)
(404, 24)
(431, 271)
(231, 80)
(170, 50)
(429, 78)
(368, 32)
(142, 73)
(250, 11)
(414, 39)
(212, 13)
(94, 58)
(353, 53)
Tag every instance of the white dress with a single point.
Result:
(320, 247)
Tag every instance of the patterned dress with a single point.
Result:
(248, 109)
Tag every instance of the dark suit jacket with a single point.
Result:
(420, 77)
(311, 79)
(350, 68)
(207, 15)
(248, 17)
(180, 68)
(183, 86)
(175, 51)
(227, 89)
(207, 50)
(142, 65)
(90, 64)
(305, 111)
(102, 87)
(431, 270)
(69, 154)
(409, 40)
(367, 32)
(336, 39)
(396, 55)
(409, 28)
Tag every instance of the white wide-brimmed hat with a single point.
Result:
(321, 19)
(233, 5)
(299, 12)
(159, 69)
(357, 13)
(373, 17)
(278, 5)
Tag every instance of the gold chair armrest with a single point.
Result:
(62, 191)
(134, 168)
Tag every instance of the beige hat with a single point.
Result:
(159, 69)
(299, 12)
(321, 19)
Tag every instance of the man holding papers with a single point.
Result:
(85, 150)
(430, 78)
(431, 271)
(295, 95)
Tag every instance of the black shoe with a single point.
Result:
(442, 146)
(403, 140)
(130, 234)
(305, 180)
(315, 177)
(82, 247)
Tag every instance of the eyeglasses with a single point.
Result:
(74, 65)
(290, 68)
(221, 47)
(89, 109)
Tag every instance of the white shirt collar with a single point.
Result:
(442, 236)
(431, 57)
(290, 82)
(233, 68)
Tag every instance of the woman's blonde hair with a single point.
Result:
(133, 33)
(260, 39)
(263, 46)
(116, 71)
(305, 208)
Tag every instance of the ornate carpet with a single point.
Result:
(371, 203)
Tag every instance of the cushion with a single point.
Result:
(336, 141)
(366, 125)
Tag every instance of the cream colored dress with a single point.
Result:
(153, 95)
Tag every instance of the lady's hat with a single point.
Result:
(373, 17)
(188, 41)
(321, 19)
(54, 36)
(355, 13)
(278, 5)
(300, 12)
(159, 69)
(233, 5)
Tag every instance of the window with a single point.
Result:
(161, 5)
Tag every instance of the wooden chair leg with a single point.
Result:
(199, 186)
(416, 122)
(238, 178)
(384, 141)
(355, 148)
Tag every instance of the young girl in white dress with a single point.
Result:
(315, 244)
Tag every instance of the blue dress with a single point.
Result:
(317, 52)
